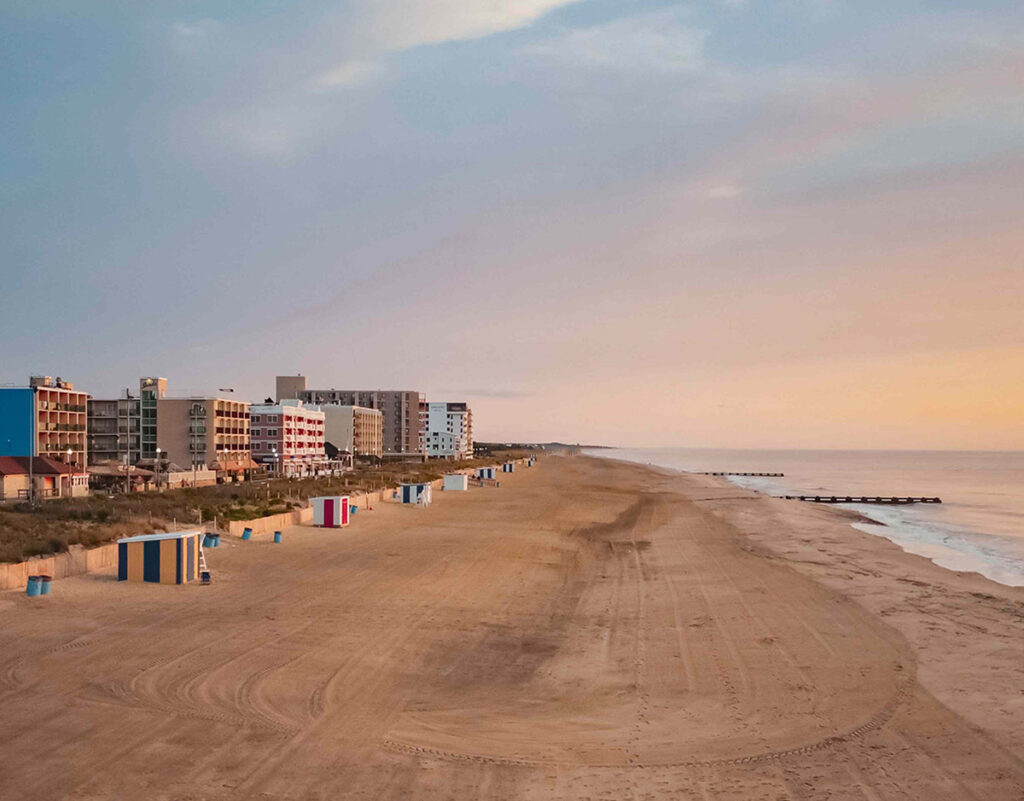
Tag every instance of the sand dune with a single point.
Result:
(587, 631)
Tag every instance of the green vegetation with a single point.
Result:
(54, 525)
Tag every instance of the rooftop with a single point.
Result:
(41, 466)
(168, 535)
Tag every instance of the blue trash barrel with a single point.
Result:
(44, 584)
(352, 509)
(247, 533)
(33, 587)
(207, 541)
(277, 536)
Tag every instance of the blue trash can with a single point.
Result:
(277, 536)
(247, 534)
(207, 541)
(44, 584)
(33, 587)
(352, 509)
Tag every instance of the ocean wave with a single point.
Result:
(949, 546)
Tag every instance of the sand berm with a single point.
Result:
(590, 630)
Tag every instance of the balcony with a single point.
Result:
(64, 407)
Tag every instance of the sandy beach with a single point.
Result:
(589, 630)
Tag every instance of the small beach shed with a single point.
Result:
(485, 472)
(458, 481)
(415, 493)
(171, 558)
(508, 467)
(330, 511)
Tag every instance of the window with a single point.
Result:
(256, 432)
(255, 418)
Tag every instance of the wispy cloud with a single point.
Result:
(660, 43)
(274, 84)
(349, 73)
(195, 29)
(376, 29)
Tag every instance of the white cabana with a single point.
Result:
(458, 481)
(330, 511)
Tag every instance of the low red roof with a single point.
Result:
(41, 466)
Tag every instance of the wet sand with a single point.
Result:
(590, 630)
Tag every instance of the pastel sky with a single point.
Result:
(735, 223)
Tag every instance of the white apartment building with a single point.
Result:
(449, 430)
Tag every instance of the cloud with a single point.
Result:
(401, 25)
(349, 73)
(188, 38)
(195, 29)
(376, 29)
(658, 43)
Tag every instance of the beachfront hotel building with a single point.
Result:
(204, 433)
(123, 430)
(114, 430)
(48, 418)
(448, 430)
(288, 438)
(401, 425)
(354, 429)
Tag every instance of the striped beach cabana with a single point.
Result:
(415, 493)
(457, 481)
(171, 558)
(330, 511)
(508, 467)
(486, 472)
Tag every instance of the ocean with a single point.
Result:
(978, 527)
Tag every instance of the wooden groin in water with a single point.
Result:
(756, 475)
(882, 499)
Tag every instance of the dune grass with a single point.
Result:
(55, 525)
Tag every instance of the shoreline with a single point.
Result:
(950, 544)
(589, 629)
